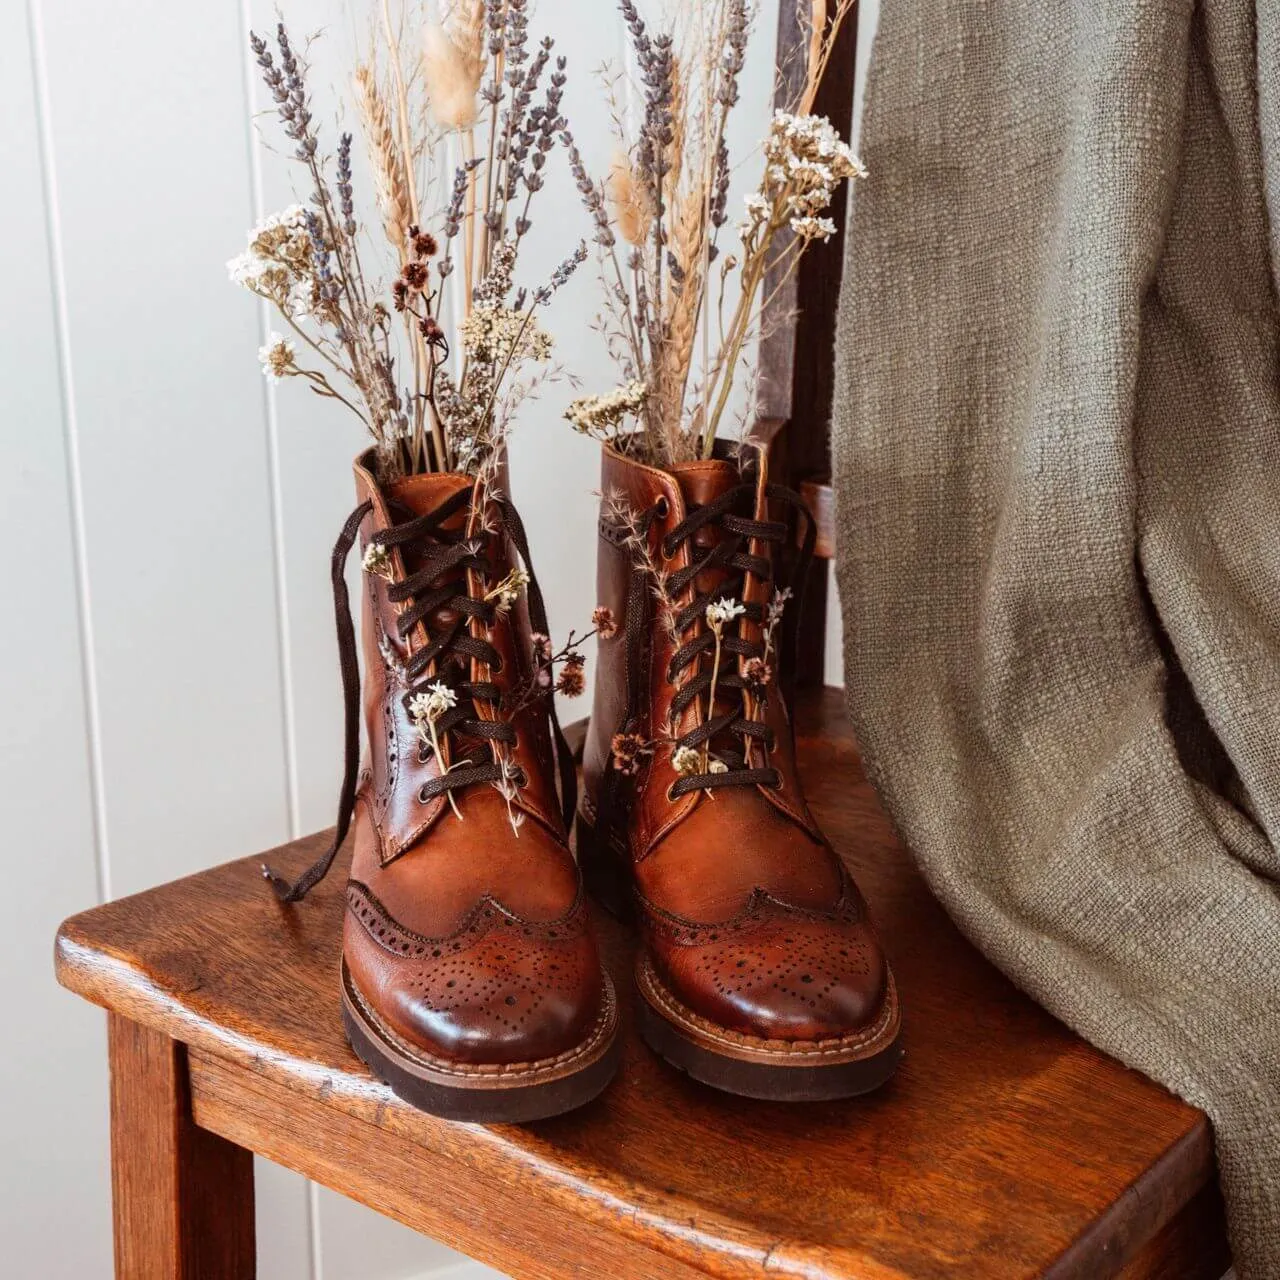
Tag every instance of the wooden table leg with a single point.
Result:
(182, 1197)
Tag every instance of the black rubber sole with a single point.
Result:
(514, 1094)
(742, 1068)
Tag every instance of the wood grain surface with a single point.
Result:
(182, 1196)
(1005, 1147)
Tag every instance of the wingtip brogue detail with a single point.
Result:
(774, 970)
(499, 989)
(760, 970)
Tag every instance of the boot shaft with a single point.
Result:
(637, 691)
(398, 762)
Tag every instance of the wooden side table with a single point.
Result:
(1005, 1147)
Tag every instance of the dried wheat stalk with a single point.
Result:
(390, 180)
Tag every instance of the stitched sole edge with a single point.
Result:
(507, 1093)
(775, 1070)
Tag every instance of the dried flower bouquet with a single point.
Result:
(435, 355)
(682, 309)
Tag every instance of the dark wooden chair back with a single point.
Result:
(797, 355)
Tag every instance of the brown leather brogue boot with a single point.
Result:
(759, 970)
(471, 982)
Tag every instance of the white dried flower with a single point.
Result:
(277, 265)
(717, 766)
(808, 228)
(377, 560)
(427, 706)
(805, 161)
(723, 610)
(777, 603)
(507, 592)
(508, 787)
(277, 358)
(758, 212)
(686, 760)
(501, 336)
(601, 414)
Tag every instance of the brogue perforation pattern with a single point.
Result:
(496, 962)
(802, 964)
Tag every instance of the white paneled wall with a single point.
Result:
(168, 672)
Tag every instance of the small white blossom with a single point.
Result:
(813, 228)
(501, 336)
(686, 760)
(507, 592)
(778, 602)
(277, 264)
(593, 415)
(758, 212)
(805, 161)
(508, 787)
(429, 705)
(277, 358)
(772, 620)
(377, 560)
(723, 610)
(717, 766)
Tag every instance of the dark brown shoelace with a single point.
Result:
(440, 555)
(731, 555)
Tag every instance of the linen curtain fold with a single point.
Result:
(1057, 465)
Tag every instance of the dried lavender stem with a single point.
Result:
(499, 70)
(469, 233)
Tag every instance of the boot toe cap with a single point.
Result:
(788, 980)
(518, 992)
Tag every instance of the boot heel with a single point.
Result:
(602, 870)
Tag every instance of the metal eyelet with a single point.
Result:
(670, 798)
(423, 799)
(662, 507)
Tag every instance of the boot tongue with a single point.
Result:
(700, 483)
(424, 493)
(419, 495)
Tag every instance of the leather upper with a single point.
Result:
(748, 914)
(468, 939)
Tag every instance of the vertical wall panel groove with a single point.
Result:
(271, 418)
(277, 1189)
(71, 445)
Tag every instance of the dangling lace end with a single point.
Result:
(282, 888)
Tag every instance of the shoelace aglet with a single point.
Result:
(282, 888)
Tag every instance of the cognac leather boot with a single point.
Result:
(759, 971)
(470, 977)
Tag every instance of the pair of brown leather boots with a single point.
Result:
(471, 979)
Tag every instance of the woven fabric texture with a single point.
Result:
(1057, 469)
